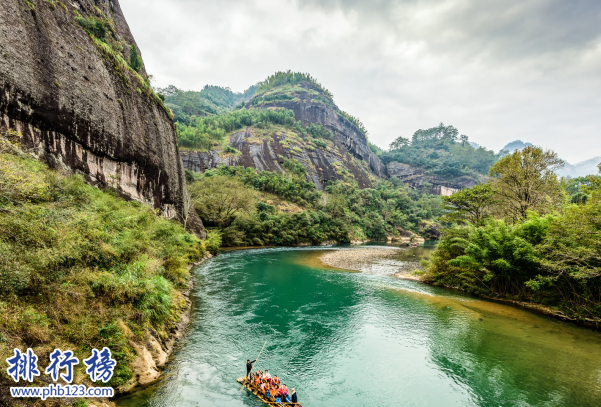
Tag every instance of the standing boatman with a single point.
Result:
(249, 366)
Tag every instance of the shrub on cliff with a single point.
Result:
(135, 61)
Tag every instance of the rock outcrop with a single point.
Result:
(269, 152)
(417, 178)
(309, 109)
(80, 107)
(347, 153)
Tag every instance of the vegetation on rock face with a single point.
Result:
(210, 132)
(441, 151)
(135, 61)
(77, 263)
(290, 78)
(112, 47)
(253, 208)
(525, 238)
(188, 106)
(289, 86)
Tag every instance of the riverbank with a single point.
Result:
(385, 260)
(153, 350)
(83, 269)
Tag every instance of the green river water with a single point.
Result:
(367, 339)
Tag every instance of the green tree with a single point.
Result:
(220, 199)
(572, 257)
(525, 180)
(471, 204)
(135, 61)
(400, 142)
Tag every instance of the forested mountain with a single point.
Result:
(438, 156)
(441, 151)
(302, 170)
(290, 116)
(211, 100)
(217, 127)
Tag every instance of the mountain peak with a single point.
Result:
(516, 145)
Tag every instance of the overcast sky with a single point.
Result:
(498, 70)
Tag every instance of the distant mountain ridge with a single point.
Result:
(588, 167)
(516, 145)
(581, 169)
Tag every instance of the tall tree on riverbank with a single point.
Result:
(473, 205)
(220, 199)
(525, 180)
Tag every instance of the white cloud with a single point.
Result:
(496, 70)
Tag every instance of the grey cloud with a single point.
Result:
(519, 28)
(497, 70)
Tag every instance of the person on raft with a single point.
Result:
(271, 388)
(249, 366)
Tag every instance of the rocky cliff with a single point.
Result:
(310, 106)
(79, 105)
(346, 153)
(437, 185)
(269, 150)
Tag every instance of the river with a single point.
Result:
(367, 339)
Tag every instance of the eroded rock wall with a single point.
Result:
(347, 154)
(268, 153)
(78, 111)
(346, 133)
(417, 178)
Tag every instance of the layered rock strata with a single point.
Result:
(268, 153)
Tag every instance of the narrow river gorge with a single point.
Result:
(367, 339)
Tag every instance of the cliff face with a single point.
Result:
(309, 110)
(347, 154)
(268, 152)
(80, 108)
(417, 178)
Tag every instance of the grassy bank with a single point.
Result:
(76, 263)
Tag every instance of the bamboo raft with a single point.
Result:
(261, 396)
